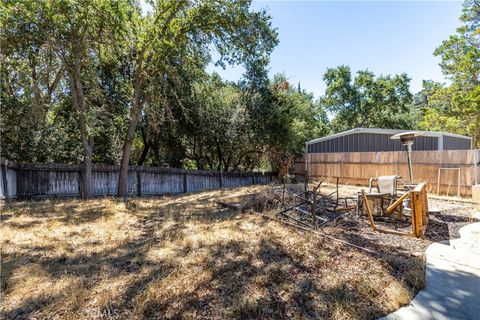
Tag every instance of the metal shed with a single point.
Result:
(373, 140)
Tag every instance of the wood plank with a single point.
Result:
(358, 167)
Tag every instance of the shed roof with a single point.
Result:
(385, 131)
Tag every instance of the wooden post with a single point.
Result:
(413, 207)
(220, 178)
(369, 212)
(139, 183)
(306, 168)
(4, 181)
(438, 181)
(449, 181)
(458, 183)
(185, 185)
(80, 183)
(314, 208)
(419, 207)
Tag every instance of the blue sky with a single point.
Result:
(383, 37)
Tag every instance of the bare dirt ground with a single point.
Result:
(447, 217)
(186, 257)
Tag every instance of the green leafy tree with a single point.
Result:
(223, 138)
(456, 108)
(97, 81)
(38, 73)
(366, 100)
(176, 27)
(283, 119)
(31, 82)
(65, 46)
(219, 126)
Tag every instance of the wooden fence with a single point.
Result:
(54, 180)
(448, 171)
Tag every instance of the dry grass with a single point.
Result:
(185, 257)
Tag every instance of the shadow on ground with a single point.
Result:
(235, 278)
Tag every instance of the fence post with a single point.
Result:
(139, 182)
(185, 183)
(20, 183)
(80, 183)
(253, 177)
(4, 181)
(220, 177)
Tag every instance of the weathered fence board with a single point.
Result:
(161, 183)
(358, 167)
(54, 180)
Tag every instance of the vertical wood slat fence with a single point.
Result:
(357, 167)
(55, 180)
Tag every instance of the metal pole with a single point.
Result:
(409, 159)
(314, 208)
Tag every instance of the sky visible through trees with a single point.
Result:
(385, 37)
(103, 82)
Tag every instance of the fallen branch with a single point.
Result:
(229, 205)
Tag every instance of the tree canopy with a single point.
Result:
(456, 107)
(98, 81)
(366, 100)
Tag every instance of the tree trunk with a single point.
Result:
(132, 125)
(146, 144)
(209, 162)
(219, 155)
(87, 170)
(127, 149)
(226, 163)
(200, 164)
(138, 102)
(143, 156)
(78, 99)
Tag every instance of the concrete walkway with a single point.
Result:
(452, 284)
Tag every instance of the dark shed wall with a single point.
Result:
(425, 143)
(456, 143)
(369, 142)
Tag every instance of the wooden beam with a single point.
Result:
(401, 233)
(397, 202)
(369, 212)
(345, 208)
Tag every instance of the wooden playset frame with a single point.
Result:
(419, 210)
